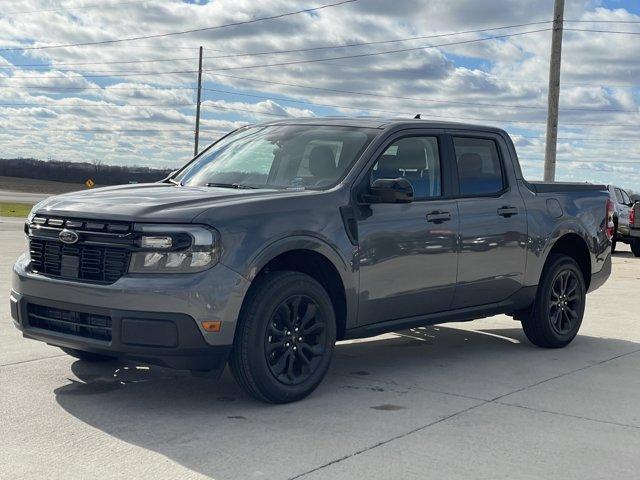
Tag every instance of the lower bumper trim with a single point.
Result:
(170, 340)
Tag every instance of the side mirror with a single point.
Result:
(389, 190)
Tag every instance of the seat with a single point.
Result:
(387, 168)
(473, 180)
(411, 158)
(322, 163)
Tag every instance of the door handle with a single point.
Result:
(438, 217)
(507, 211)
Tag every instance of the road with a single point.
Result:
(467, 400)
(21, 197)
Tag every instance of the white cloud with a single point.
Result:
(501, 75)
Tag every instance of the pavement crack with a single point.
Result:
(384, 442)
(32, 360)
(586, 367)
(473, 407)
(577, 417)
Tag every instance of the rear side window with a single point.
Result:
(479, 168)
(619, 196)
(625, 197)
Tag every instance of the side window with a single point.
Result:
(625, 197)
(415, 158)
(619, 196)
(479, 169)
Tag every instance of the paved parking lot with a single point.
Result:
(467, 400)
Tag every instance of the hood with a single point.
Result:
(149, 202)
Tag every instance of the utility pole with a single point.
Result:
(195, 147)
(554, 93)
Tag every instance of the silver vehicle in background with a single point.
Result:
(622, 219)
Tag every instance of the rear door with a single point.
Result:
(493, 223)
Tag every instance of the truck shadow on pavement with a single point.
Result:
(376, 389)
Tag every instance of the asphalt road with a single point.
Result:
(21, 197)
(469, 400)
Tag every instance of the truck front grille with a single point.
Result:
(87, 325)
(78, 262)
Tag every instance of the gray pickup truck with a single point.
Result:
(282, 238)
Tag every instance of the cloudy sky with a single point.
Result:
(133, 102)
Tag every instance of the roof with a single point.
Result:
(381, 123)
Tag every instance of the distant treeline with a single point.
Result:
(78, 172)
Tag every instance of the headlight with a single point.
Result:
(175, 249)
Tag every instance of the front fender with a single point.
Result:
(338, 258)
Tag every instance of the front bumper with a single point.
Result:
(166, 339)
(174, 305)
(214, 294)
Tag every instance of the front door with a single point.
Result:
(493, 223)
(407, 252)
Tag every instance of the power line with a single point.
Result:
(600, 31)
(183, 32)
(94, 105)
(278, 52)
(105, 88)
(603, 21)
(96, 130)
(582, 139)
(291, 62)
(85, 7)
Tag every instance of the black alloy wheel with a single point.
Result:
(565, 302)
(295, 340)
(285, 337)
(554, 319)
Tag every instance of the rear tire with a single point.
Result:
(614, 243)
(86, 356)
(635, 247)
(285, 338)
(557, 312)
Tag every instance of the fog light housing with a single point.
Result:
(175, 249)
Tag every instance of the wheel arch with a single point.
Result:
(575, 246)
(320, 261)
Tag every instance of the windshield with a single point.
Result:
(279, 156)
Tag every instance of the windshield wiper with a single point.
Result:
(175, 182)
(232, 185)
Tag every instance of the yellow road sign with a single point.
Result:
(89, 183)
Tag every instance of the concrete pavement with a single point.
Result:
(466, 400)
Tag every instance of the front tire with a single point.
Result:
(86, 356)
(558, 310)
(635, 247)
(285, 338)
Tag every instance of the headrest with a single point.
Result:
(322, 163)
(470, 164)
(388, 163)
(411, 155)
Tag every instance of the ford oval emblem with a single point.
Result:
(68, 236)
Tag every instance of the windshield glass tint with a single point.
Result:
(280, 156)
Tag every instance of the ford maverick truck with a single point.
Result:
(282, 238)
